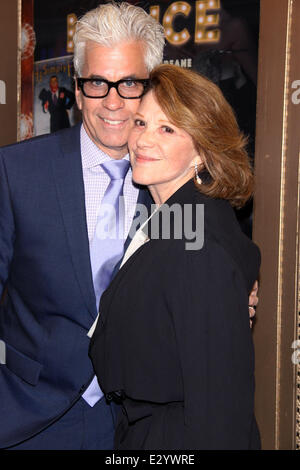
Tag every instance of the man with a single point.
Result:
(56, 101)
(51, 189)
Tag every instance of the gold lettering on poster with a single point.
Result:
(155, 12)
(176, 38)
(2, 92)
(47, 70)
(71, 22)
(205, 20)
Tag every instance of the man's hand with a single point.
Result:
(253, 301)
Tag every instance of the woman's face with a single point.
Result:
(162, 155)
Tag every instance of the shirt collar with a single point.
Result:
(91, 154)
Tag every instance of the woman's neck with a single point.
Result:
(161, 192)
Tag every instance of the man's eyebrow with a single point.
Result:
(132, 77)
(127, 77)
(96, 77)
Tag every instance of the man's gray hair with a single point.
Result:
(112, 23)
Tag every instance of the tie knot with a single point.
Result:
(116, 169)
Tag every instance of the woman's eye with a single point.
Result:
(139, 123)
(168, 129)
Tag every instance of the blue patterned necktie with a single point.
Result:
(107, 246)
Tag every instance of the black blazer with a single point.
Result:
(173, 337)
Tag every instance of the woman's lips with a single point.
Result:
(144, 159)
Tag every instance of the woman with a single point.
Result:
(173, 343)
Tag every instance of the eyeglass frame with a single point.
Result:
(81, 81)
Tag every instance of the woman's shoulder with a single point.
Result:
(222, 228)
(210, 225)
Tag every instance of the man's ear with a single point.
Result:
(78, 95)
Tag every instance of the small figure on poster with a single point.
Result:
(57, 100)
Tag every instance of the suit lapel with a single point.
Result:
(68, 176)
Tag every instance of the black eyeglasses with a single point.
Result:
(129, 88)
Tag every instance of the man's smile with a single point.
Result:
(113, 122)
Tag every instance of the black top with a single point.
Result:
(173, 336)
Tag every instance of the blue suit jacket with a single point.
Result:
(48, 300)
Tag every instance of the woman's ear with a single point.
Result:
(198, 160)
(198, 167)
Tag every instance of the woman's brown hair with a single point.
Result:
(195, 104)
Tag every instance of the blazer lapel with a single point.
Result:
(142, 212)
(70, 188)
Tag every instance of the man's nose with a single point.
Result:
(113, 100)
